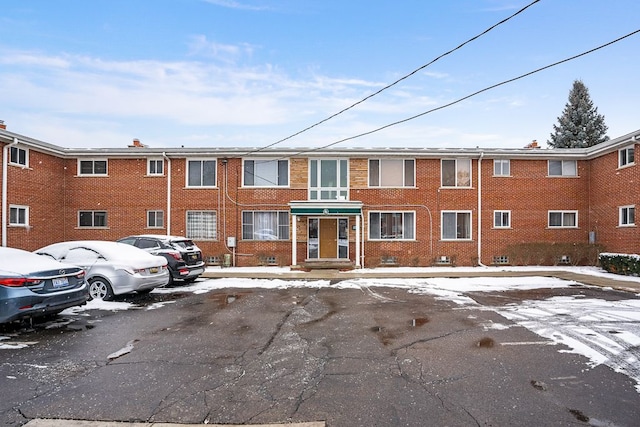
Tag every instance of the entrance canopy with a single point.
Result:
(328, 207)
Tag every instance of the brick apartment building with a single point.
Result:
(363, 207)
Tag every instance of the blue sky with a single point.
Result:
(249, 73)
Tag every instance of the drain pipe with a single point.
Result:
(480, 210)
(164, 155)
(5, 170)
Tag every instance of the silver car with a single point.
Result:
(112, 268)
(32, 285)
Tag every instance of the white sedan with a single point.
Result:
(112, 268)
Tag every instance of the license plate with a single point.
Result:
(153, 270)
(194, 256)
(60, 282)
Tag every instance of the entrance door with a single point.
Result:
(328, 238)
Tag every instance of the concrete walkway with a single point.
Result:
(621, 283)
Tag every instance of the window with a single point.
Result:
(501, 167)
(328, 179)
(201, 225)
(19, 215)
(92, 219)
(563, 168)
(155, 167)
(92, 167)
(265, 225)
(501, 219)
(201, 173)
(627, 215)
(392, 225)
(563, 219)
(391, 173)
(456, 225)
(456, 173)
(18, 156)
(500, 259)
(626, 156)
(155, 219)
(266, 173)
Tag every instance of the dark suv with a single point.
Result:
(183, 256)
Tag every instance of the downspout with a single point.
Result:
(164, 155)
(480, 210)
(5, 163)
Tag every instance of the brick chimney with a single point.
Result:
(137, 144)
(2, 125)
(532, 145)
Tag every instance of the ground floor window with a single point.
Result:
(456, 225)
(92, 218)
(392, 225)
(265, 225)
(19, 215)
(563, 219)
(155, 219)
(627, 215)
(201, 225)
(501, 219)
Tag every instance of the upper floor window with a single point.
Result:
(501, 167)
(265, 225)
(563, 168)
(155, 167)
(202, 225)
(92, 167)
(456, 173)
(392, 173)
(456, 225)
(201, 173)
(627, 215)
(563, 219)
(92, 218)
(155, 219)
(328, 179)
(501, 219)
(18, 156)
(626, 156)
(19, 215)
(392, 225)
(266, 173)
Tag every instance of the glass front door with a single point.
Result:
(328, 238)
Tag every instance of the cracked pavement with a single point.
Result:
(350, 357)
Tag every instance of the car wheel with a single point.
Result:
(100, 288)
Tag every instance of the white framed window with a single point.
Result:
(155, 219)
(19, 215)
(155, 167)
(328, 179)
(265, 173)
(265, 225)
(92, 167)
(456, 172)
(563, 219)
(627, 216)
(456, 225)
(392, 225)
(201, 173)
(392, 173)
(202, 225)
(501, 219)
(563, 168)
(626, 156)
(92, 219)
(502, 167)
(18, 156)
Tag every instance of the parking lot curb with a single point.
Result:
(81, 423)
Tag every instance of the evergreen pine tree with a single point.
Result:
(580, 125)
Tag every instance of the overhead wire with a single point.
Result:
(406, 76)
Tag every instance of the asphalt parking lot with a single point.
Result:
(368, 356)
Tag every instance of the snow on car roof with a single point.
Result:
(108, 249)
(17, 261)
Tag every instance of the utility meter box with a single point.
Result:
(231, 242)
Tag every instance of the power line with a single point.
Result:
(406, 76)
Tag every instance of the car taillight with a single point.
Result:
(80, 275)
(176, 255)
(16, 282)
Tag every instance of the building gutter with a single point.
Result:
(164, 155)
(480, 210)
(5, 172)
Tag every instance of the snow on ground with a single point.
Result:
(605, 332)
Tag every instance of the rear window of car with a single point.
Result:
(183, 243)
